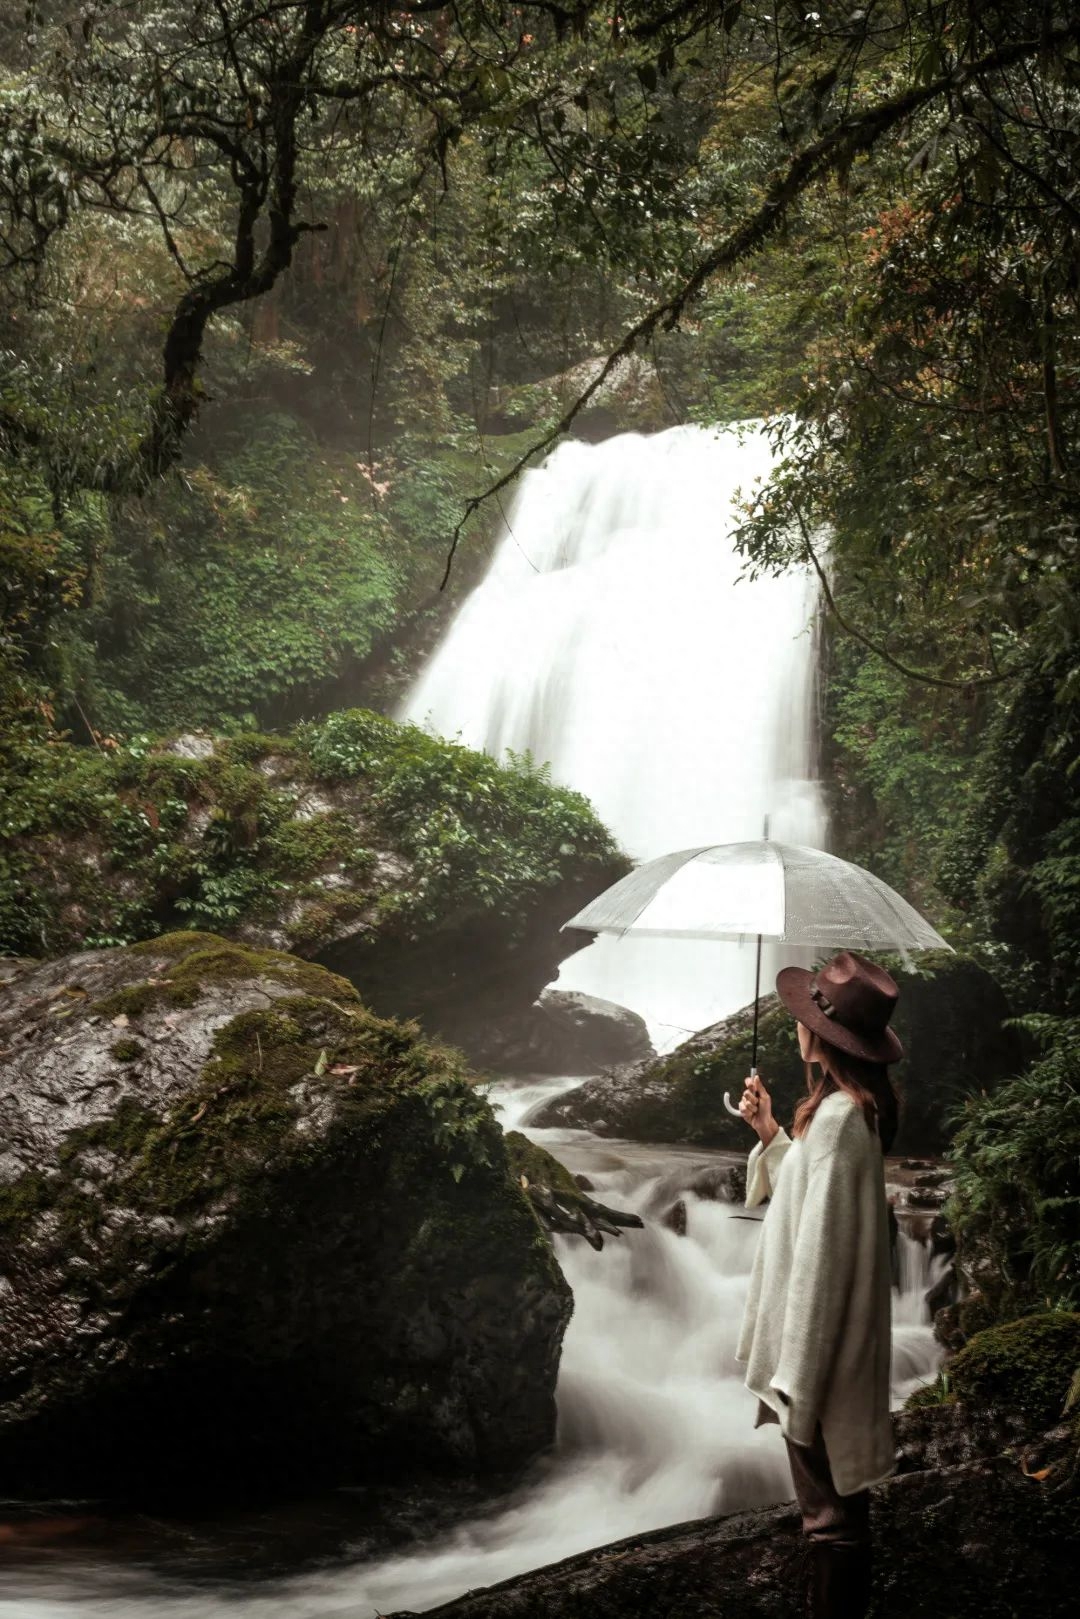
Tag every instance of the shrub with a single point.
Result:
(1016, 1206)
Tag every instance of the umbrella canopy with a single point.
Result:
(755, 890)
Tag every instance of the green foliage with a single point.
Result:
(474, 830)
(1055, 880)
(262, 575)
(1008, 861)
(107, 847)
(1016, 1205)
(481, 191)
(900, 767)
(929, 465)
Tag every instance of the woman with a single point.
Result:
(816, 1330)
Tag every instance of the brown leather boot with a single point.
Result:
(839, 1580)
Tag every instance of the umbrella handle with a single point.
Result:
(729, 1104)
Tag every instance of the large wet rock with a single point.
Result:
(977, 1542)
(432, 876)
(251, 1233)
(949, 1017)
(588, 1029)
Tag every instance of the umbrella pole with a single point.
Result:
(757, 997)
(757, 983)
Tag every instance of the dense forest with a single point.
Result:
(292, 295)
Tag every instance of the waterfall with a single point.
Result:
(614, 638)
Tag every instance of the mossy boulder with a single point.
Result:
(679, 1097)
(1012, 1389)
(949, 1017)
(250, 1233)
(1024, 1367)
(434, 876)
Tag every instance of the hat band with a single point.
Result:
(822, 1000)
(818, 996)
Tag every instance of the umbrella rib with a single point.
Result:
(885, 892)
(777, 850)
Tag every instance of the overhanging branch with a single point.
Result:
(922, 675)
(832, 151)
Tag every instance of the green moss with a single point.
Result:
(231, 1128)
(21, 1201)
(76, 1211)
(538, 1166)
(198, 961)
(176, 944)
(931, 1395)
(975, 1313)
(123, 1132)
(1024, 1366)
(309, 846)
(126, 1050)
(252, 747)
(239, 1122)
(318, 921)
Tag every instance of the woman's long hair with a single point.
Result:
(867, 1083)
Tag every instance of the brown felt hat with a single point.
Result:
(848, 1002)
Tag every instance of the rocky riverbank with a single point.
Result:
(980, 1521)
(998, 1543)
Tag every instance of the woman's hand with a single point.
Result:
(756, 1109)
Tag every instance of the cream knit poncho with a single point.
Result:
(816, 1329)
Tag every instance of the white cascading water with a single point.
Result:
(611, 638)
(614, 639)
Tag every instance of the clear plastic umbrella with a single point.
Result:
(759, 890)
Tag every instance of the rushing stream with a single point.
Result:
(611, 638)
(655, 1428)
